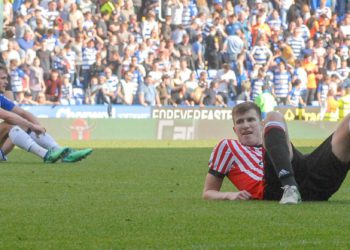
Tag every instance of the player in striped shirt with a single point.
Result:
(262, 159)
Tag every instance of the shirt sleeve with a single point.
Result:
(221, 159)
(5, 103)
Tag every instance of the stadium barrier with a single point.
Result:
(145, 123)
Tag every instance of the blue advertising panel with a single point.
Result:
(89, 111)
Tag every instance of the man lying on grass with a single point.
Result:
(263, 164)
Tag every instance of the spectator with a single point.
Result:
(332, 57)
(70, 56)
(127, 9)
(332, 110)
(198, 52)
(148, 95)
(164, 90)
(41, 100)
(75, 15)
(111, 84)
(184, 71)
(296, 42)
(44, 56)
(322, 91)
(36, 79)
(227, 83)
(265, 101)
(300, 73)
(40, 28)
(149, 24)
(67, 91)
(233, 46)
(18, 76)
(258, 83)
(212, 49)
(102, 94)
(210, 96)
(54, 87)
(90, 93)
(8, 13)
(24, 97)
(59, 62)
(185, 49)
(344, 103)
(281, 83)
(88, 59)
(52, 13)
(344, 70)
(245, 93)
(324, 36)
(13, 53)
(311, 70)
(294, 96)
(21, 26)
(260, 30)
(98, 67)
(26, 42)
(192, 83)
(166, 29)
(261, 54)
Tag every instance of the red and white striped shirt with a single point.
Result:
(243, 165)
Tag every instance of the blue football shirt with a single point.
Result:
(5, 103)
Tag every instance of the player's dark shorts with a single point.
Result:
(319, 174)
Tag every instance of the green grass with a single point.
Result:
(147, 195)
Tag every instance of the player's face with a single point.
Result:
(248, 128)
(3, 81)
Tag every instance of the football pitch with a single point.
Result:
(147, 195)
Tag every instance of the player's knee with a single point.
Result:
(6, 127)
(14, 131)
(274, 125)
(4, 130)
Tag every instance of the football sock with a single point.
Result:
(276, 146)
(2, 155)
(45, 140)
(24, 141)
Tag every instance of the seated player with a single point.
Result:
(21, 128)
(264, 165)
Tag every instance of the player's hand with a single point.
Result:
(241, 195)
(38, 129)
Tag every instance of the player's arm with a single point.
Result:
(212, 191)
(25, 114)
(14, 119)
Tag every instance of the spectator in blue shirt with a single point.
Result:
(148, 95)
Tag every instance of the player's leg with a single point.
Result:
(21, 139)
(4, 130)
(341, 140)
(45, 140)
(6, 148)
(76, 155)
(279, 149)
(48, 142)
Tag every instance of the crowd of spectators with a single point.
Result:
(176, 52)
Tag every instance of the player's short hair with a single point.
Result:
(245, 107)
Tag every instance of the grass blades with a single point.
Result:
(148, 196)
